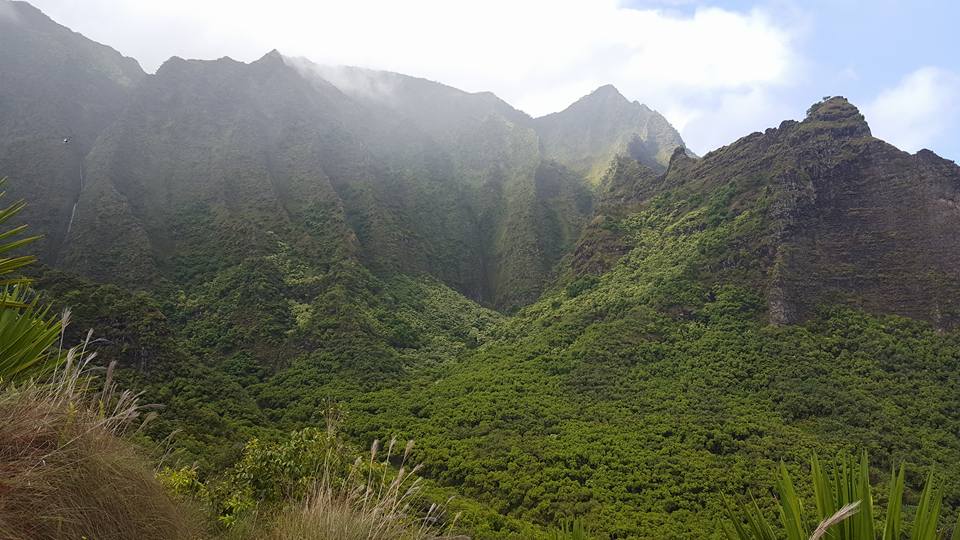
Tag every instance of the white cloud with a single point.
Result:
(731, 116)
(539, 55)
(912, 115)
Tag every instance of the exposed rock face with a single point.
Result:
(849, 219)
(870, 226)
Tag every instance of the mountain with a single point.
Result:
(835, 216)
(511, 212)
(248, 153)
(589, 133)
(56, 85)
(403, 174)
(785, 295)
(257, 241)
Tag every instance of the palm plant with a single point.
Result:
(844, 508)
(572, 530)
(28, 332)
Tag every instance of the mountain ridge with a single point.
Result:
(256, 245)
(813, 182)
(472, 153)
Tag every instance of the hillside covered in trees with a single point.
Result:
(573, 316)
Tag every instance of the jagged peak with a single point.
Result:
(607, 91)
(171, 63)
(272, 56)
(605, 96)
(839, 116)
(175, 64)
(679, 158)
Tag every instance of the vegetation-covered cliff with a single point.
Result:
(573, 315)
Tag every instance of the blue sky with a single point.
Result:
(865, 50)
(716, 70)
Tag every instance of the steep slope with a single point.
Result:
(649, 379)
(837, 217)
(213, 163)
(589, 133)
(54, 84)
(477, 196)
(403, 174)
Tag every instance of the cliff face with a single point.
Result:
(865, 224)
(54, 85)
(208, 163)
(844, 218)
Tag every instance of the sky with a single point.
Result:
(717, 70)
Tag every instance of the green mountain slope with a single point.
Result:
(829, 215)
(257, 241)
(56, 85)
(213, 163)
(478, 202)
(589, 133)
(650, 378)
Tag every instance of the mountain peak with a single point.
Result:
(23, 12)
(604, 94)
(607, 90)
(271, 56)
(839, 116)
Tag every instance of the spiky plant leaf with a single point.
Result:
(928, 511)
(27, 331)
(756, 527)
(845, 508)
(839, 516)
(791, 510)
(893, 523)
(8, 265)
(27, 335)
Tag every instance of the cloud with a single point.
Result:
(729, 116)
(916, 112)
(539, 55)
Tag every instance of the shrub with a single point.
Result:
(65, 472)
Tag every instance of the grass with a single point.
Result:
(65, 470)
(373, 502)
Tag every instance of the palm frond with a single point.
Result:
(28, 334)
(9, 265)
(840, 515)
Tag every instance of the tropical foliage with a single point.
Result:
(844, 508)
(27, 329)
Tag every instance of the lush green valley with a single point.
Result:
(573, 316)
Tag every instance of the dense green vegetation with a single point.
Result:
(579, 323)
(631, 399)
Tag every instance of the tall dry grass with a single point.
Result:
(65, 471)
(373, 502)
